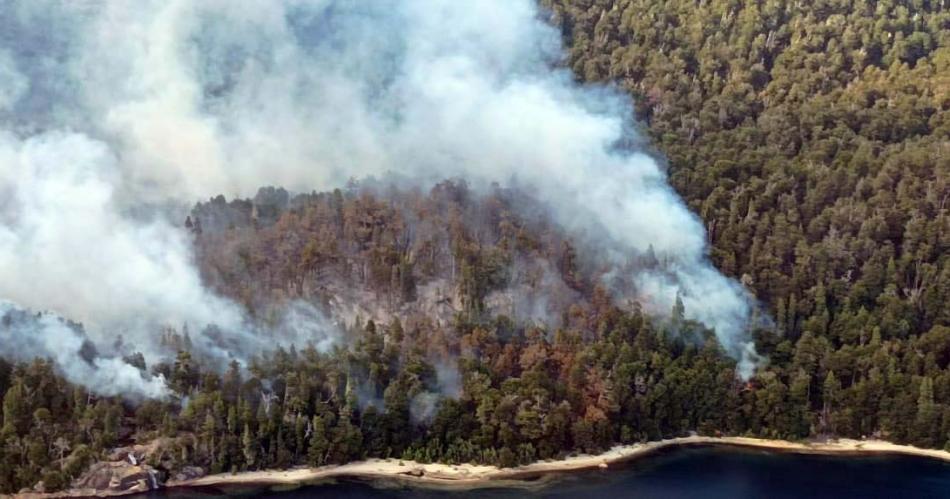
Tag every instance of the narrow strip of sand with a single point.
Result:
(467, 476)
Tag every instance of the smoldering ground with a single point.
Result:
(108, 106)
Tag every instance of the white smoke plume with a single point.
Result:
(45, 335)
(116, 114)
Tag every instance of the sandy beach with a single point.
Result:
(468, 476)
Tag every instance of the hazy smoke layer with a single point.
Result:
(45, 335)
(109, 106)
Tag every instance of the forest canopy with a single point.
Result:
(811, 138)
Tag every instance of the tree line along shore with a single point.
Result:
(532, 476)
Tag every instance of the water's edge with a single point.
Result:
(468, 477)
(533, 476)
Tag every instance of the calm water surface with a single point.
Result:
(709, 472)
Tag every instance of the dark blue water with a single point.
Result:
(707, 472)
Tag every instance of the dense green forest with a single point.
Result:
(812, 138)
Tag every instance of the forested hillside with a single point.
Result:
(812, 138)
(497, 343)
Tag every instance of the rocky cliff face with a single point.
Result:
(127, 471)
(118, 477)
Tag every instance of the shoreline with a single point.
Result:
(471, 476)
(463, 477)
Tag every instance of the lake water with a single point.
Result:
(685, 472)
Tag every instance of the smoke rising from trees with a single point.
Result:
(116, 115)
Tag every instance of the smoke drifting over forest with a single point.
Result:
(116, 115)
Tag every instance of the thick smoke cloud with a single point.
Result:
(68, 245)
(116, 114)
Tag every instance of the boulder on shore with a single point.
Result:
(189, 473)
(118, 476)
